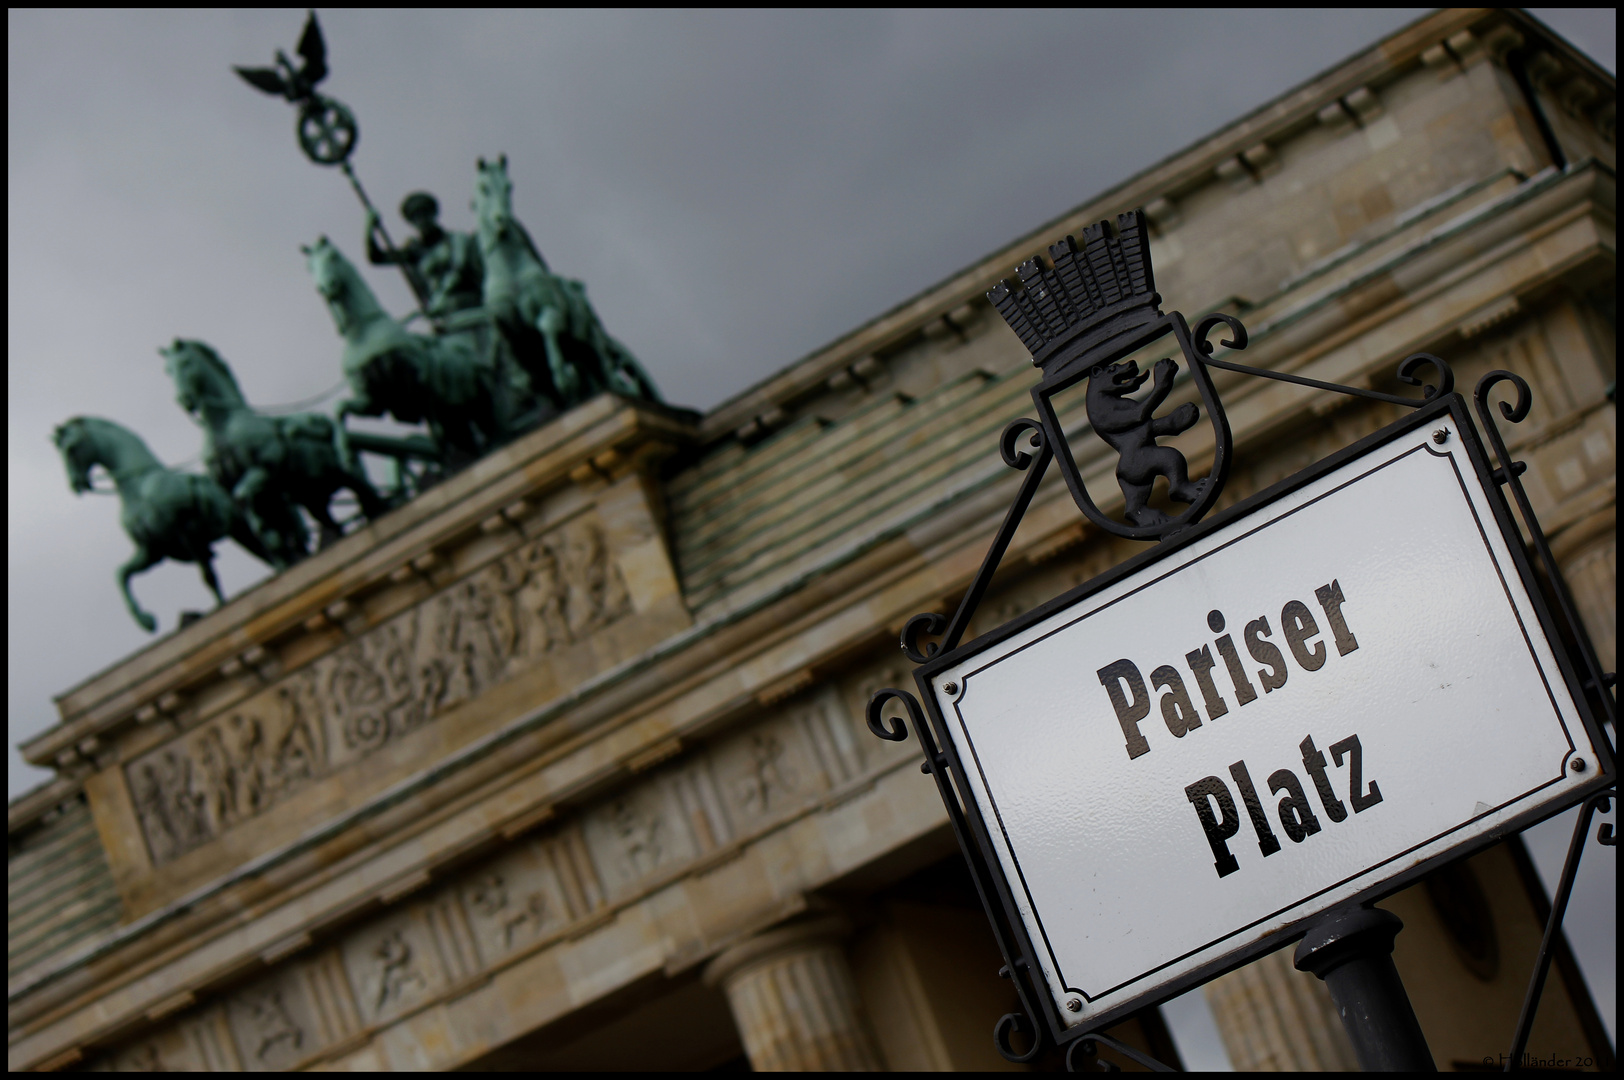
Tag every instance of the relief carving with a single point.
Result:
(173, 814)
(270, 1023)
(145, 1058)
(552, 592)
(397, 974)
(488, 895)
(768, 779)
(531, 918)
(641, 834)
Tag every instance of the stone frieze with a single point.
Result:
(553, 591)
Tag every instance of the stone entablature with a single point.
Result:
(538, 603)
(691, 855)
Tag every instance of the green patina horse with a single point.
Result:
(461, 392)
(167, 514)
(545, 319)
(270, 464)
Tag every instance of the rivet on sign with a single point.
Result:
(1074, 1005)
(951, 688)
(1440, 436)
(1578, 764)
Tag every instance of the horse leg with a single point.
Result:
(251, 543)
(247, 495)
(141, 560)
(330, 531)
(373, 505)
(549, 322)
(626, 372)
(206, 565)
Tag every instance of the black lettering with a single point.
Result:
(1265, 654)
(1297, 626)
(1218, 830)
(1361, 801)
(1266, 842)
(1176, 708)
(1314, 762)
(1296, 815)
(1112, 676)
(1201, 662)
(1330, 598)
(1237, 674)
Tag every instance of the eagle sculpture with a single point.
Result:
(296, 84)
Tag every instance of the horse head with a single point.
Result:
(493, 194)
(79, 452)
(333, 276)
(88, 441)
(201, 377)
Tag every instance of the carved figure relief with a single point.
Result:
(552, 592)
(145, 1058)
(488, 895)
(173, 813)
(271, 1025)
(768, 779)
(641, 834)
(396, 974)
(514, 900)
(530, 918)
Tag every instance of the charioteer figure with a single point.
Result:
(446, 262)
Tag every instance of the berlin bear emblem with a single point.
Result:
(1131, 428)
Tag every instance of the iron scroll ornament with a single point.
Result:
(1080, 318)
(1017, 968)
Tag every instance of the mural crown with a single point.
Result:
(1095, 291)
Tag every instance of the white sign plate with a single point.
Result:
(1287, 712)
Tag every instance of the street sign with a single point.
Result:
(1310, 699)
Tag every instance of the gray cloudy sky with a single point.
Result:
(737, 189)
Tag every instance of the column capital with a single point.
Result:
(768, 945)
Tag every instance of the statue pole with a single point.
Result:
(414, 280)
(327, 131)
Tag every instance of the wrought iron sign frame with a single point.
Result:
(1080, 318)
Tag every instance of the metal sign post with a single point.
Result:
(1251, 732)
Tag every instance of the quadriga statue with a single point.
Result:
(270, 464)
(166, 514)
(462, 394)
(546, 321)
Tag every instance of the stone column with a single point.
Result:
(1588, 556)
(794, 1001)
(1274, 1018)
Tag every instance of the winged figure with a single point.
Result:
(297, 84)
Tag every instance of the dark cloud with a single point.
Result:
(737, 188)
